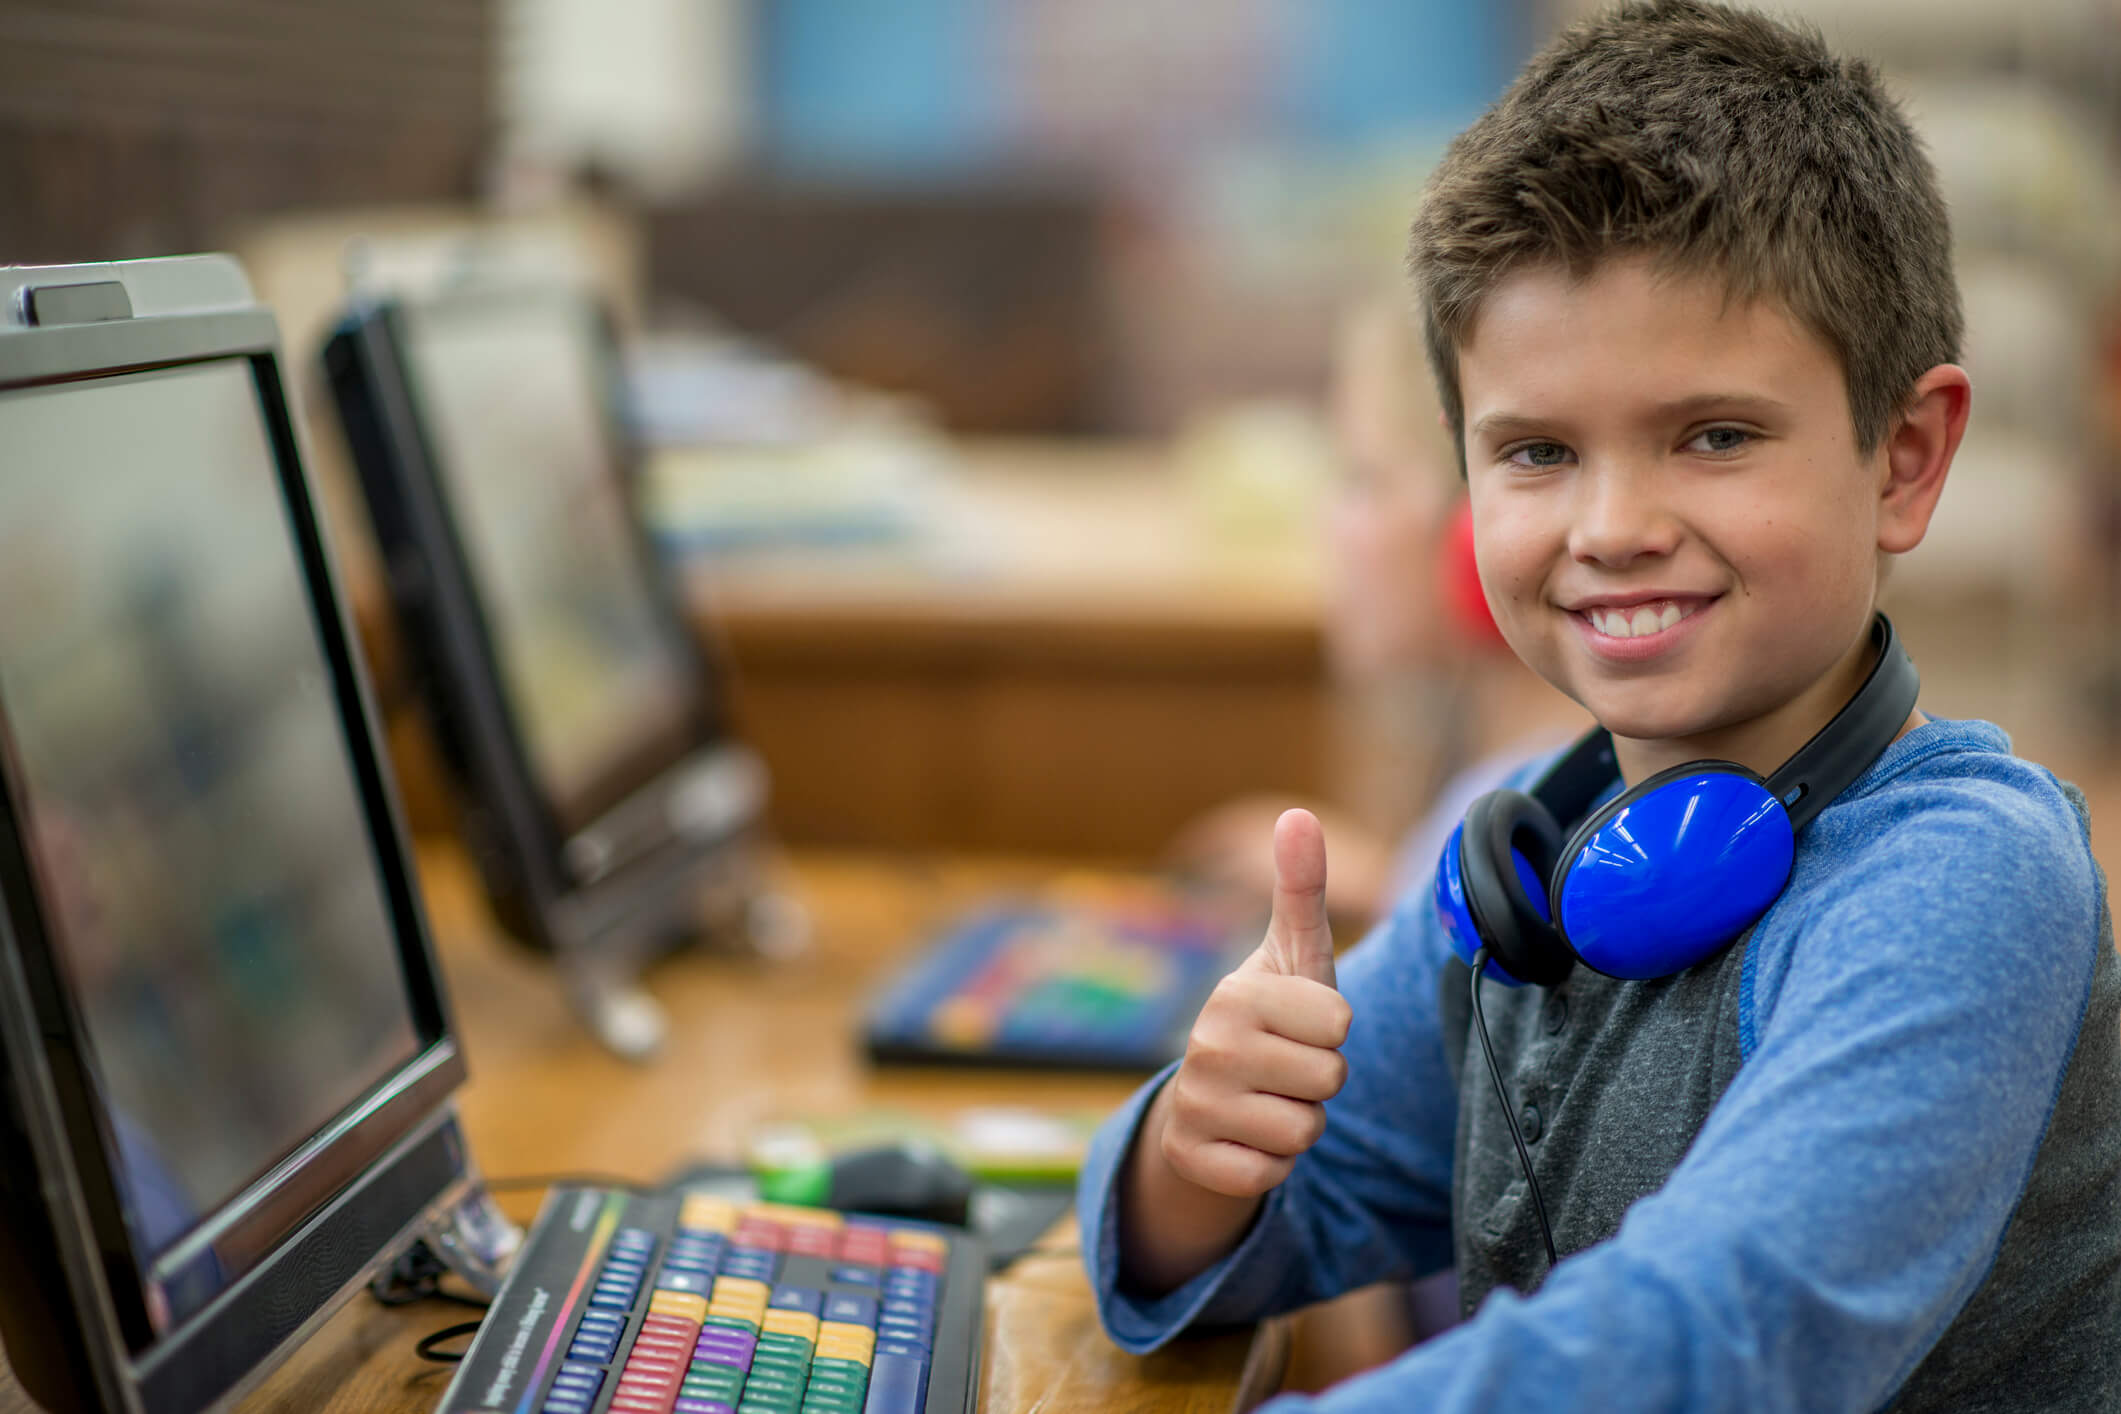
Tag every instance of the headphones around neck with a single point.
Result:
(1670, 870)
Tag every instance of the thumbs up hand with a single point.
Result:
(1264, 1056)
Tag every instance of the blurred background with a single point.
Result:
(1025, 384)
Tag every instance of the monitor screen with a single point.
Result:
(213, 893)
(513, 397)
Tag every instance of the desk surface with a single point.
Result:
(750, 1040)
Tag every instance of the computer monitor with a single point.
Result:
(606, 800)
(228, 1060)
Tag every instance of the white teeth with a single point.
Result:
(1633, 623)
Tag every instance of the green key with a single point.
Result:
(735, 1322)
(844, 1390)
(830, 1365)
(715, 1377)
(792, 1344)
(773, 1382)
(832, 1402)
(797, 1370)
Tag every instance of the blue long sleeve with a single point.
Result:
(1910, 1007)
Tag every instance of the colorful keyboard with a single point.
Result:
(700, 1305)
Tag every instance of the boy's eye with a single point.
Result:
(1540, 454)
(1720, 439)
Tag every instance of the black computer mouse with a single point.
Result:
(906, 1180)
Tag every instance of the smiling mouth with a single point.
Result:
(1641, 620)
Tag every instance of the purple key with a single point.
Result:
(852, 1307)
(734, 1359)
(724, 1338)
(796, 1298)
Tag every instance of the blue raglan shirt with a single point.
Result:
(1908, 1009)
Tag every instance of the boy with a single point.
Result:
(1689, 300)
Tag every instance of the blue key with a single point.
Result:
(891, 1329)
(564, 1403)
(609, 1301)
(918, 1349)
(856, 1276)
(639, 1237)
(851, 1307)
(796, 1298)
(911, 1310)
(896, 1385)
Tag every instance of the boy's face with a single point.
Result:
(1673, 523)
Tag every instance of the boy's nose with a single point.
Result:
(1621, 518)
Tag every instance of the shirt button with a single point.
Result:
(1528, 1121)
(1556, 1013)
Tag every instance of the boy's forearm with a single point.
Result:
(1170, 1229)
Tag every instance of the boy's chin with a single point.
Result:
(1653, 722)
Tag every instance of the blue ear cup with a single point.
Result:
(1507, 908)
(1672, 870)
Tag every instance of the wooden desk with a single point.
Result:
(750, 1039)
(1075, 664)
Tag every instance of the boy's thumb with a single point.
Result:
(1299, 930)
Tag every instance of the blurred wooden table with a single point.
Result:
(749, 1040)
(1074, 662)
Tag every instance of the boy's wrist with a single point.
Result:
(1170, 1228)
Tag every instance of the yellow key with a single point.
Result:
(687, 1305)
(800, 1323)
(790, 1213)
(707, 1213)
(741, 1289)
(841, 1333)
(919, 1241)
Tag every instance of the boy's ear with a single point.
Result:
(1918, 452)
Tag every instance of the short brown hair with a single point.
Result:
(1711, 139)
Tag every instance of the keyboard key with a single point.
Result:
(918, 1311)
(857, 1276)
(701, 1406)
(796, 1298)
(897, 1384)
(708, 1213)
(851, 1308)
(669, 1280)
(916, 1348)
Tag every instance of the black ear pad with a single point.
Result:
(1514, 926)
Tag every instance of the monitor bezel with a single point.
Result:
(491, 750)
(40, 1023)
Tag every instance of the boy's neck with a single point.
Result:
(1761, 744)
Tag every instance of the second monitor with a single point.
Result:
(606, 800)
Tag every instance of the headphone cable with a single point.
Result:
(1524, 1155)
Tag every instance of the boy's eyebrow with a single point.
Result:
(1507, 424)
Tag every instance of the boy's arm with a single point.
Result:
(1851, 1189)
(1370, 1200)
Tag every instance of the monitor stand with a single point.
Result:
(728, 902)
(470, 1237)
